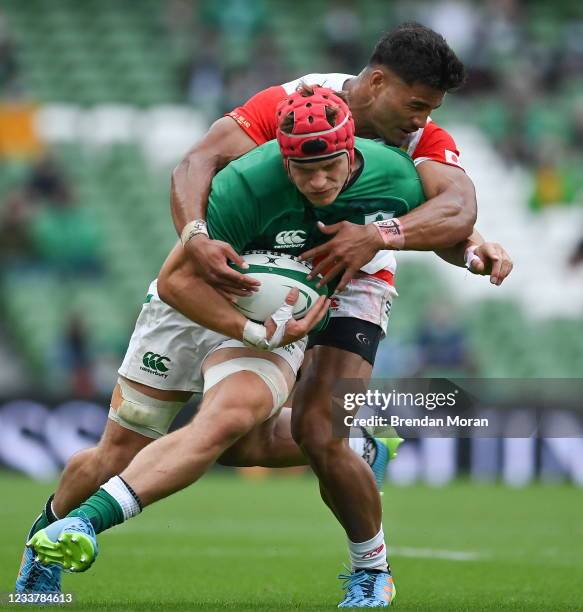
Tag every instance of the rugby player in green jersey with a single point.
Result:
(242, 386)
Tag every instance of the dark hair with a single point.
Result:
(417, 54)
(287, 123)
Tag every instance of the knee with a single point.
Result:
(260, 446)
(231, 423)
(83, 463)
(312, 423)
(312, 432)
(238, 422)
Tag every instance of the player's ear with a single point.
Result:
(377, 80)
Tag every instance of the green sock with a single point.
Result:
(102, 510)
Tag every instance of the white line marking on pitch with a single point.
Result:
(432, 553)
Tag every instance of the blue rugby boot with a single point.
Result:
(33, 576)
(367, 589)
(385, 450)
(70, 543)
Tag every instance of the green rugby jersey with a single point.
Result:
(253, 205)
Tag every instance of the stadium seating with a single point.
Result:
(93, 52)
(117, 189)
(107, 77)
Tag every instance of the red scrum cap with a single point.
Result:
(313, 124)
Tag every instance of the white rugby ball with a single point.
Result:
(278, 273)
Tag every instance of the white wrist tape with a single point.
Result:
(191, 229)
(470, 257)
(255, 335)
(280, 317)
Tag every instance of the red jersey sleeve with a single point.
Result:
(436, 144)
(257, 116)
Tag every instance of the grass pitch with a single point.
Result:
(229, 543)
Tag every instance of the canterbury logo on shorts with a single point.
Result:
(155, 362)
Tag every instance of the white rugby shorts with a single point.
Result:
(366, 297)
(167, 350)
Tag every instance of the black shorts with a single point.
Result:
(349, 334)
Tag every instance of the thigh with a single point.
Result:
(329, 364)
(313, 402)
(225, 353)
(263, 370)
(286, 359)
(168, 395)
(348, 335)
(358, 317)
(139, 414)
